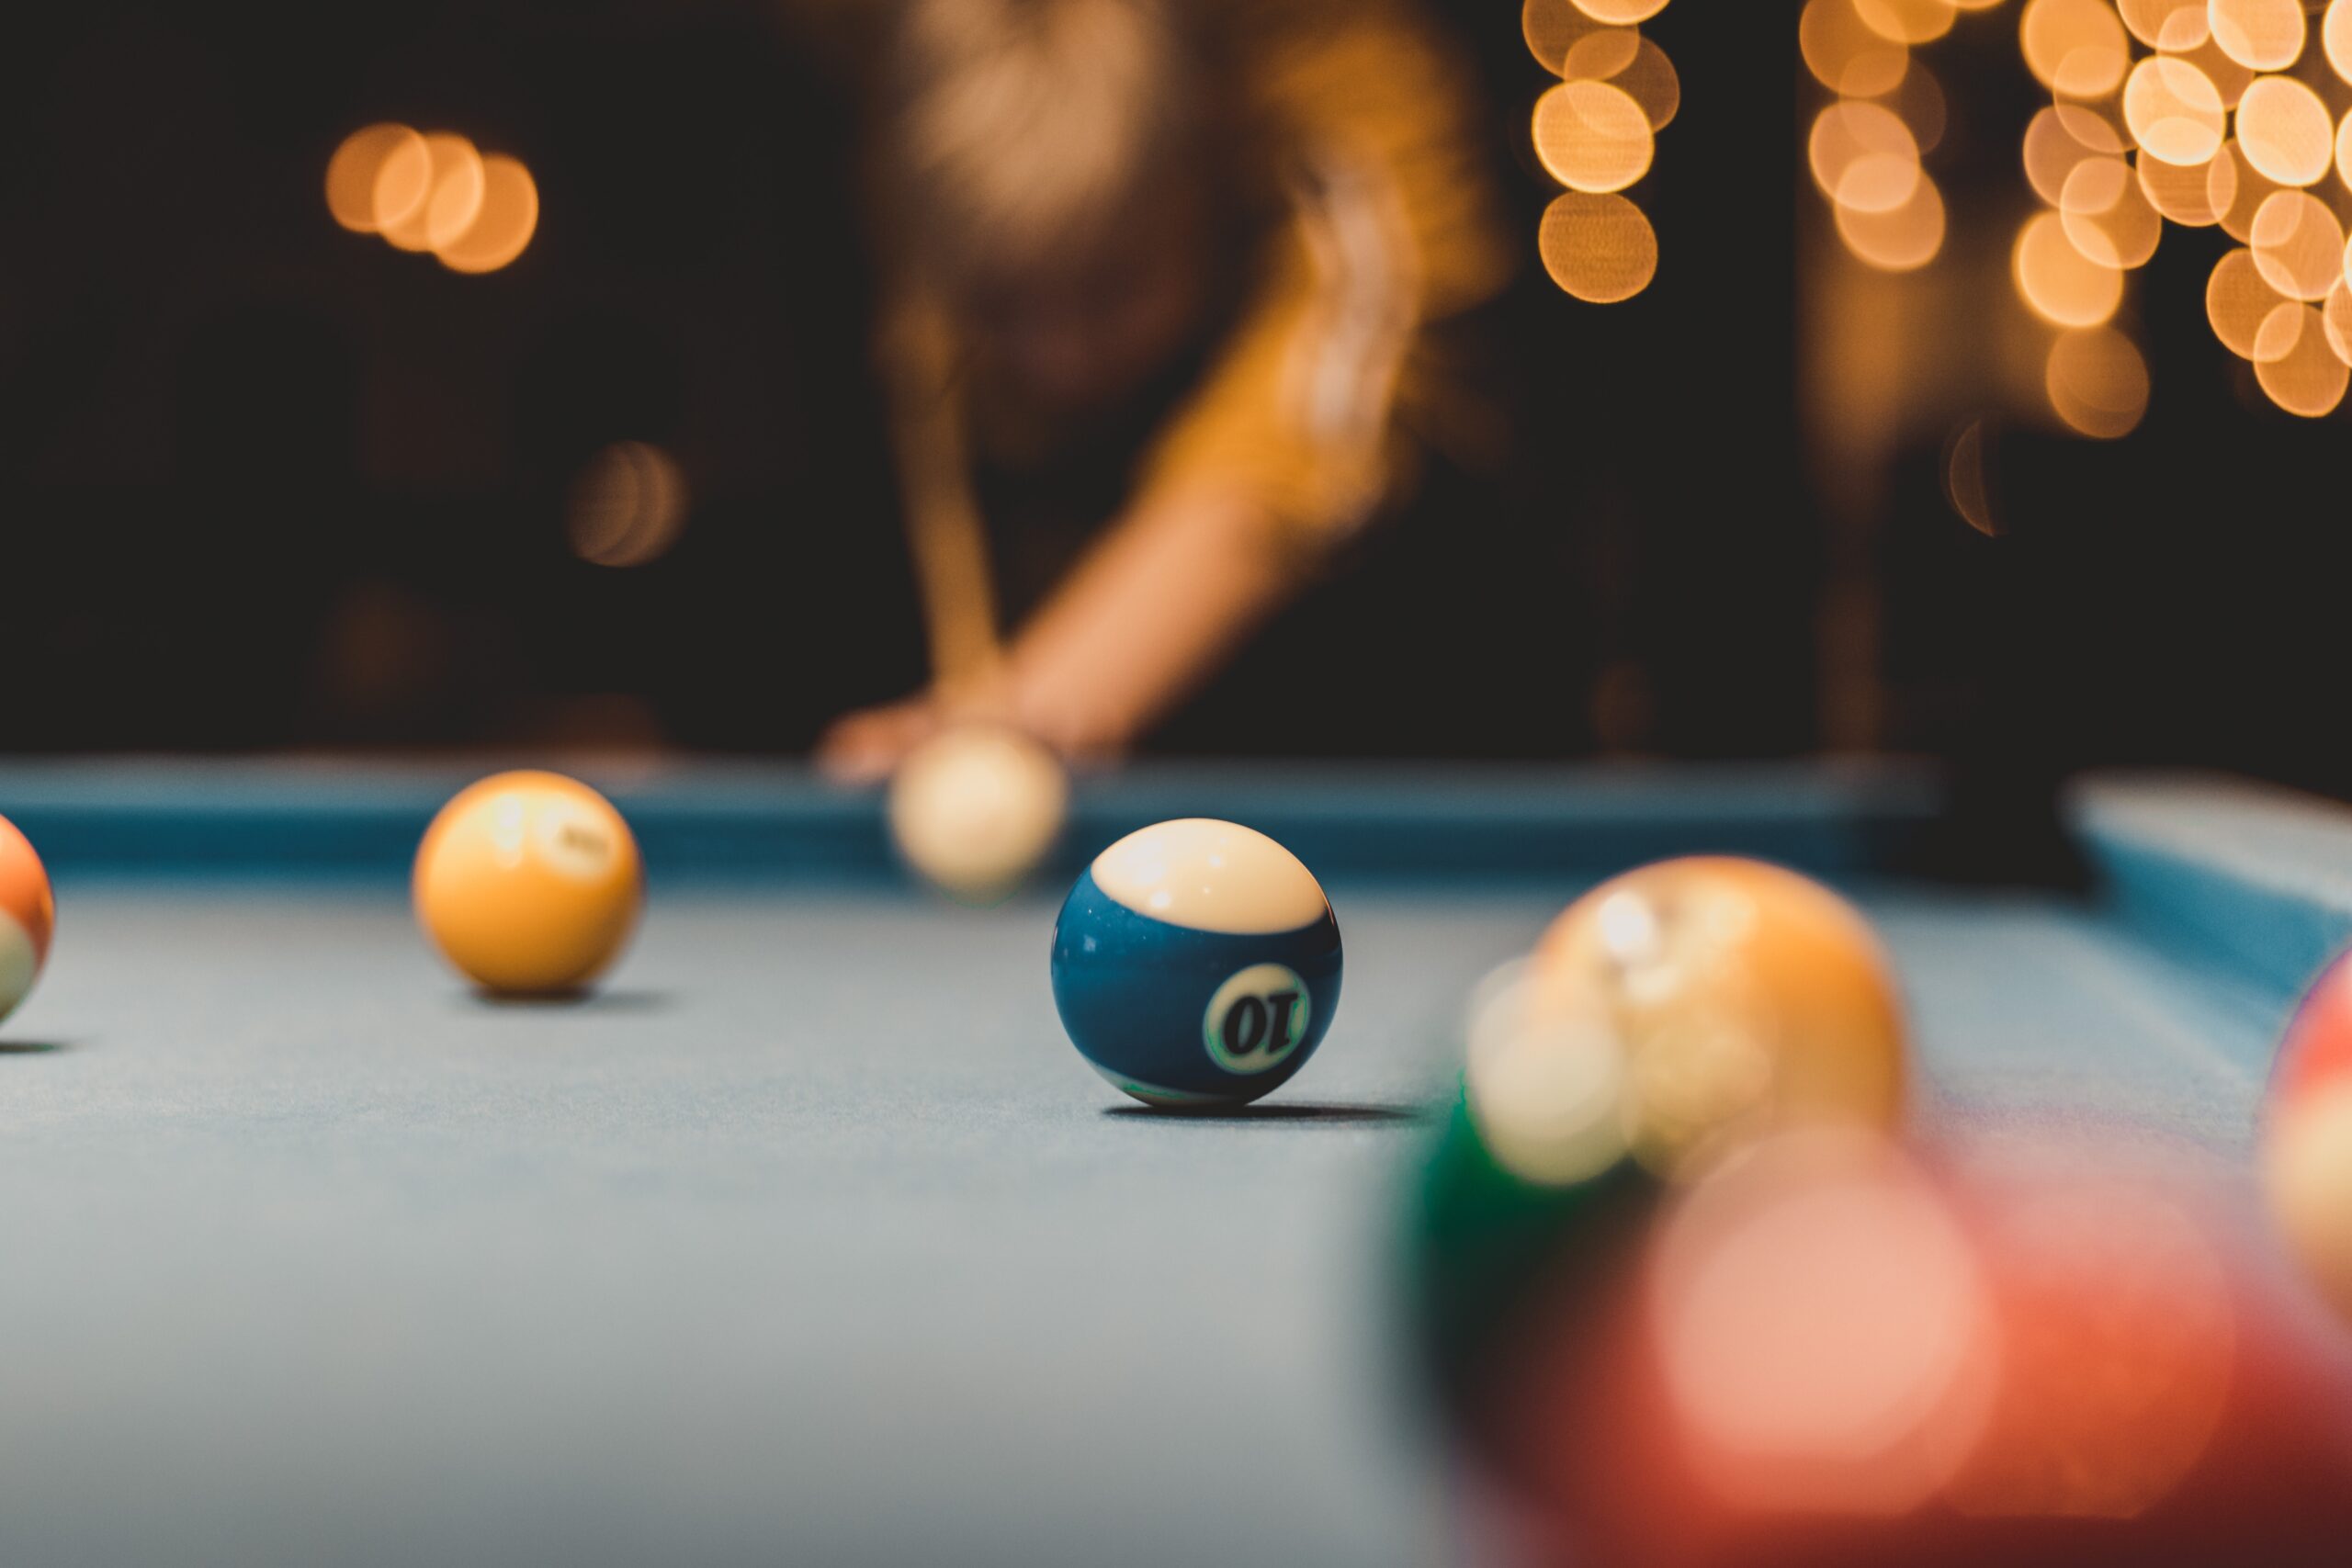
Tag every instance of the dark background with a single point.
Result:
(266, 483)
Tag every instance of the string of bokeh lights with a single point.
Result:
(434, 191)
(1595, 132)
(476, 212)
(1866, 147)
(2201, 114)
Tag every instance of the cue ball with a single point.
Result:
(1742, 996)
(528, 883)
(27, 917)
(1196, 963)
(976, 808)
(2307, 1136)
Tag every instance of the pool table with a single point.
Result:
(809, 1238)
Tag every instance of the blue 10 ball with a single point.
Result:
(1196, 963)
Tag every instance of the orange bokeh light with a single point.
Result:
(1907, 21)
(2062, 285)
(2166, 24)
(1592, 137)
(1552, 27)
(434, 192)
(2237, 302)
(2097, 382)
(1601, 54)
(2194, 196)
(629, 505)
(2285, 131)
(1900, 240)
(2249, 188)
(2336, 316)
(452, 187)
(2305, 377)
(1649, 79)
(2052, 150)
(2298, 245)
(1968, 481)
(2173, 110)
(359, 163)
(1863, 155)
(1620, 13)
(1845, 55)
(505, 220)
(1599, 248)
(1920, 101)
(2261, 35)
(2076, 47)
(2107, 216)
(2228, 78)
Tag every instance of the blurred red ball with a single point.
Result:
(2092, 1366)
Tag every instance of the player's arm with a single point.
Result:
(1287, 448)
(1232, 511)
(1183, 577)
(1190, 571)
(1284, 449)
(1247, 489)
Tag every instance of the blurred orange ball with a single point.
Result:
(529, 884)
(1743, 997)
(27, 917)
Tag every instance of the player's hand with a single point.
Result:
(867, 746)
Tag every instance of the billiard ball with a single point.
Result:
(976, 808)
(27, 917)
(528, 883)
(1828, 1351)
(1196, 963)
(2307, 1136)
(1543, 1078)
(2316, 1052)
(1769, 1275)
(1498, 1265)
(1742, 996)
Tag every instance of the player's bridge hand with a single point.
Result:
(870, 745)
(867, 747)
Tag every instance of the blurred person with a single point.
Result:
(1167, 288)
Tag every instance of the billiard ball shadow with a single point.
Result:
(583, 1000)
(1319, 1113)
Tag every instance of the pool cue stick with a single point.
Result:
(947, 542)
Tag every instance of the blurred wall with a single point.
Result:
(264, 482)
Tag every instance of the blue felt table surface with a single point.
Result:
(812, 1240)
